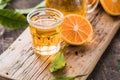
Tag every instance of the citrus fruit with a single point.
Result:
(112, 7)
(76, 29)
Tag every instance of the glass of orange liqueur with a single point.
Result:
(45, 25)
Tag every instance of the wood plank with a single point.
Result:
(19, 61)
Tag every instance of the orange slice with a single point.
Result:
(112, 7)
(76, 29)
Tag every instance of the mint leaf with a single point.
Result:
(26, 11)
(12, 19)
(59, 61)
(69, 78)
(118, 65)
(3, 3)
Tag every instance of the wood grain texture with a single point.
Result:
(19, 61)
(106, 68)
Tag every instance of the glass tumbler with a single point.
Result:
(45, 25)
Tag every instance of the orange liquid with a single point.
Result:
(68, 6)
(45, 38)
(45, 34)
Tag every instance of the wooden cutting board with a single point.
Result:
(19, 62)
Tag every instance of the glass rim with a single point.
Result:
(41, 10)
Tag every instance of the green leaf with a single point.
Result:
(59, 61)
(26, 11)
(69, 78)
(2, 6)
(118, 65)
(3, 3)
(11, 19)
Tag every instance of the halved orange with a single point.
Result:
(112, 7)
(76, 29)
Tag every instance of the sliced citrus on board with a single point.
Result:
(76, 29)
(112, 7)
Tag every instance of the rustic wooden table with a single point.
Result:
(106, 68)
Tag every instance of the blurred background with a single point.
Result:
(106, 68)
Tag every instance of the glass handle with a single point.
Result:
(91, 5)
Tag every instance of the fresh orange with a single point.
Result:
(76, 29)
(112, 7)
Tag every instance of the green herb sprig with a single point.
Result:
(69, 78)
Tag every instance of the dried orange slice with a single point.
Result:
(112, 7)
(76, 29)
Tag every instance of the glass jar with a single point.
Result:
(81, 7)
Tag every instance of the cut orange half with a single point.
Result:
(76, 29)
(112, 7)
